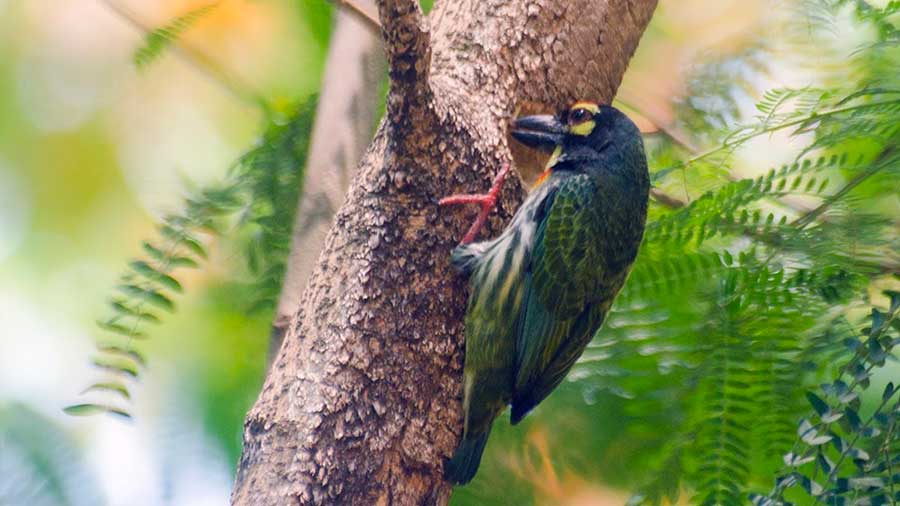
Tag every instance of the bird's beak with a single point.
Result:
(543, 132)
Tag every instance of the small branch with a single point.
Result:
(364, 9)
(407, 42)
(738, 140)
(199, 62)
(666, 199)
(346, 113)
(681, 139)
(876, 166)
(669, 130)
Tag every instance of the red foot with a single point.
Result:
(487, 202)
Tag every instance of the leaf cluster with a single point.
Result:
(747, 298)
(842, 456)
(158, 40)
(252, 210)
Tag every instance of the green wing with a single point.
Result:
(564, 293)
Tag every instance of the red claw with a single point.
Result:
(487, 201)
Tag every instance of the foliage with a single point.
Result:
(840, 457)
(40, 464)
(254, 208)
(158, 40)
(747, 297)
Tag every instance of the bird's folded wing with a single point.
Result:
(566, 265)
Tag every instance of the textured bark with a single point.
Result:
(362, 404)
(345, 119)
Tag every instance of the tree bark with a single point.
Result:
(345, 120)
(362, 404)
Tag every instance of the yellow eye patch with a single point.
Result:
(586, 126)
(590, 106)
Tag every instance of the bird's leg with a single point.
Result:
(487, 201)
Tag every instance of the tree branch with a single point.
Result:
(666, 200)
(345, 119)
(407, 44)
(883, 159)
(364, 9)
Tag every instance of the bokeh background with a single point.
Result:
(94, 150)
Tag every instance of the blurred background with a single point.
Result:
(96, 149)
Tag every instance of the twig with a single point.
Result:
(669, 130)
(195, 59)
(876, 166)
(666, 199)
(362, 8)
(681, 139)
(808, 119)
(886, 451)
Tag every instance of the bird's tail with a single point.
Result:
(460, 469)
(466, 256)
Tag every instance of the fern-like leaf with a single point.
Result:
(158, 40)
(260, 196)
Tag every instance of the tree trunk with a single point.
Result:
(362, 404)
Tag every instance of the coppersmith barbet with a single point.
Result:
(541, 290)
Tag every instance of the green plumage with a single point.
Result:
(540, 291)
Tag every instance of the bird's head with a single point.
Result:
(585, 131)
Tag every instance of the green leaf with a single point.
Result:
(152, 274)
(154, 252)
(184, 238)
(877, 323)
(895, 300)
(195, 246)
(812, 487)
(795, 460)
(149, 295)
(866, 482)
(852, 419)
(94, 409)
(158, 40)
(123, 330)
(120, 306)
(817, 403)
(809, 435)
(109, 386)
(129, 353)
(116, 365)
(180, 261)
(824, 463)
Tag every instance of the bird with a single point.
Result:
(540, 290)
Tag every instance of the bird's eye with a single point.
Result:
(579, 115)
